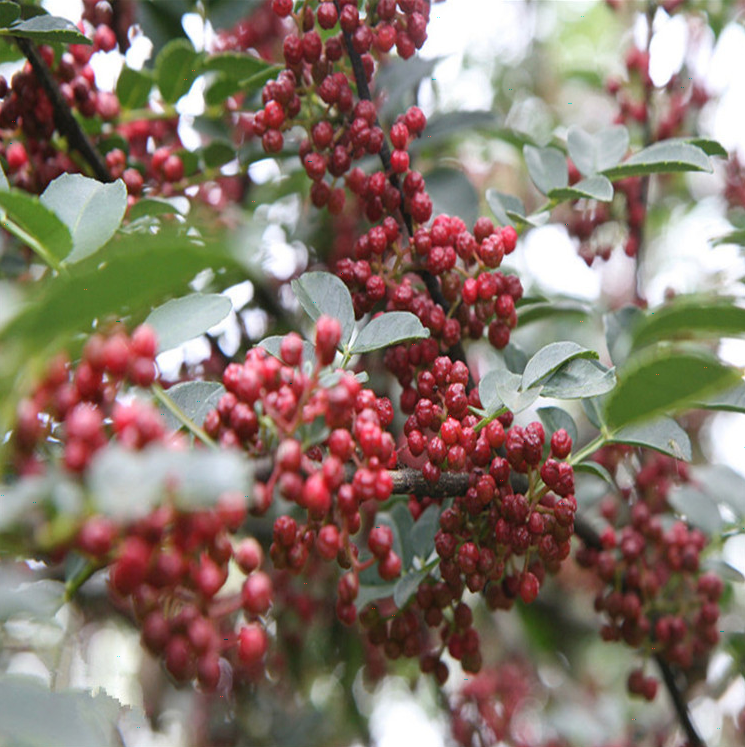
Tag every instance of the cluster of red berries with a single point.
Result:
(655, 597)
(315, 478)
(78, 405)
(168, 568)
(491, 540)
(261, 30)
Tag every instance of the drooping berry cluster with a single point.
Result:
(655, 597)
(168, 568)
(492, 540)
(293, 400)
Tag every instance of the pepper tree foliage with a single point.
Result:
(419, 464)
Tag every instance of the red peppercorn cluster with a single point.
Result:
(314, 478)
(485, 709)
(655, 596)
(78, 405)
(491, 540)
(168, 569)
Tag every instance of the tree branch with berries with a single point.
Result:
(398, 456)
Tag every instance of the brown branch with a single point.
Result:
(63, 116)
(681, 707)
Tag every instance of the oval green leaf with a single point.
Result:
(388, 329)
(663, 383)
(547, 168)
(91, 210)
(550, 358)
(660, 158)
(39, 226)
(133, 88)
(661, 434)
(176, 68)
(689, 319)
(46, 29)
(183, 319)
(452, 193)
(195, 399)
(323, 293)
(554, 418)
(594, 153)
(592, 188)
(508, 209)
(580, 378)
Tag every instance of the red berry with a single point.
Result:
(252, 643)
(328, 336)
(282, 8)
(390, 567)
(173, 169)
(380, 541)
(257, 593)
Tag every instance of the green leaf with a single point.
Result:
(661, 158)
(453, 193)
(133, 88)
(550, 358)
(723, 485)
(502, 387)
(593, 188)
(195, 399)
(618, 326)
(407, 586)
(126, 277)
(182, 319)
(195, 477)
(664, 382)
(593, 407)
(688, 319)
(91, 210)
(235, 65)
(150, 206)
(9, 12)
(515, 358)
(217, 153)
(424, 530)
(403, 524)
(547, 168)
(369, 593)
(323, 293)
(730, 400)
(388, 329)
(176, 67)
(554, 418)
(580, 378)
(39, 226)
(273, 345)
(594, 153)
(661, 434)
(538, 311)
(45, 29)
(508, 209)
(708, 146)
(697, 507)
(593, 468)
